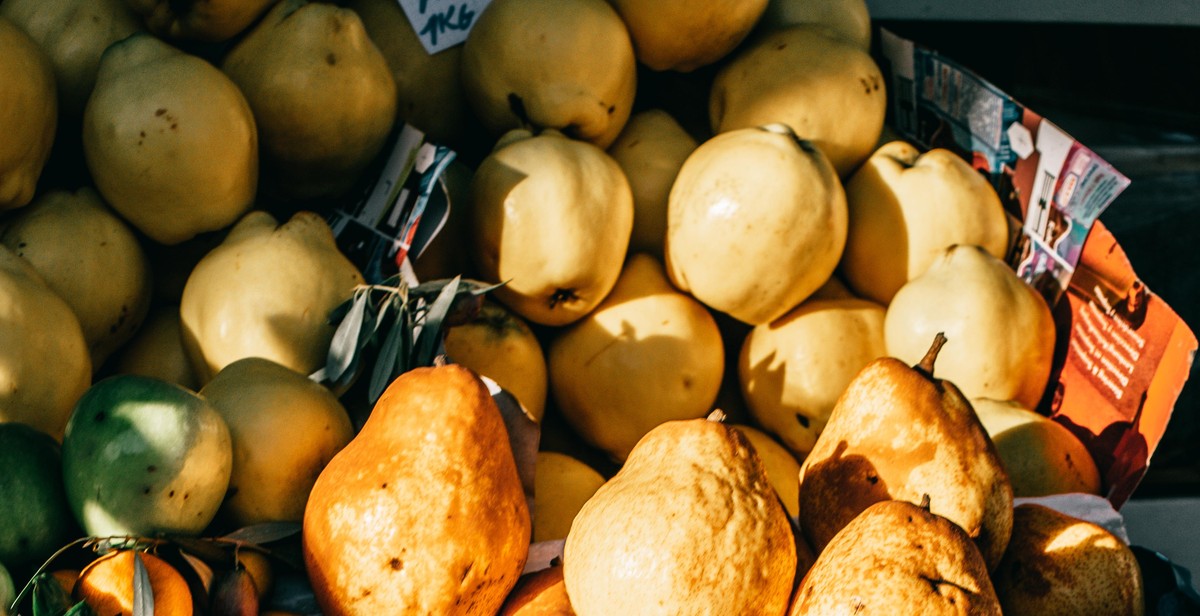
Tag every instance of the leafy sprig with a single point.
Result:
(394, 327)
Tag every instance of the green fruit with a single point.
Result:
(142, 456)
(8, 592)
(35, 519)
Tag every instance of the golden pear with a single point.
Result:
(28, 114)
(1058, 565)
(44, 362)
(689, 525)
(684, 35)
(169, 140)
(429, 91)
(266, 291)
(550, 217)
(650, 150)
(285, 428)
(500, 346)
(756, 223)
(156, 350)
(211, 20)
(423, 512)
(322, 95)
(792, 370)
(91, 258)
(1001, 331)
(73, 33)
(906, 208)
(562, 64)
(898, 558)
(829, 91)
(783, 471)
(562, 484)
(542, 593)
(1041, 456)
(646, 355)
(848, 19)
(900, 433)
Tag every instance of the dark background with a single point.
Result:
(1129, 92)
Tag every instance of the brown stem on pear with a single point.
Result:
(925, 502)
(717, 415)
(926, 363)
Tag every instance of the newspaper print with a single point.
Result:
(1122, 355)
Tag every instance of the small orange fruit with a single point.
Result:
(106, 585)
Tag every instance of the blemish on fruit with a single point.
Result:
(171, 494)
(146, 490)
(159, 112)
(331, 59)
(383, 486)
(872, 479)
(151, 468)
(396, 564)
(803, 420)
(100, 417)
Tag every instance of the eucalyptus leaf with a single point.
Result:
(427, 343)
(206, 550)
(265, 532)
(344, 346)
(382, 375)
(143, 594)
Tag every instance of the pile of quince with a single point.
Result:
(766, 358)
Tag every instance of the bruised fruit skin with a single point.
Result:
(143, 456)
(899, 433)
(1058, 564)
(169, 140)
(898, 554)
(423, 512)
(92, 259)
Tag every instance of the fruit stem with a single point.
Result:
(925, 502)
(926, 363)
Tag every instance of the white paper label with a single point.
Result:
(441, 24)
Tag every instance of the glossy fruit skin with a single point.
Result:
(143, 456)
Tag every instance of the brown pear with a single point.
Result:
(898, 558)
(899, 433)
(1057, 564)
(423, 512)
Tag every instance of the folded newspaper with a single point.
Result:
(1122, 355)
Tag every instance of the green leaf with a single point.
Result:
(49, 597)
(266, 532)
(431, 330)
(382, 375)
(80, 609)
(345, 344)
(143, 594)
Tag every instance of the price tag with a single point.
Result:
(441, 24)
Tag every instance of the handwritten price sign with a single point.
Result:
(442, 24)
